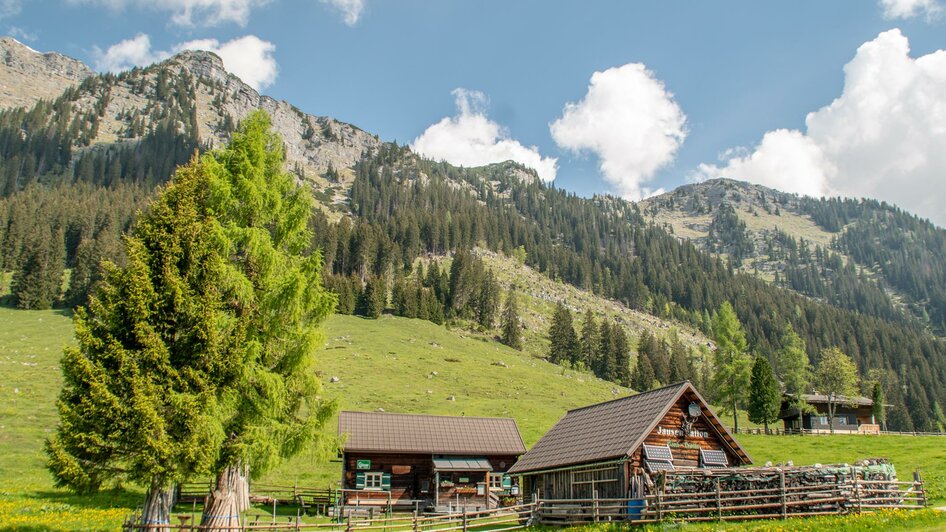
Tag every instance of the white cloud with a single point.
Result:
(884, 137)
(471, 139)
(249, 57)
(350, 9)
(630, 121)
(190, 12)
(127, 54)
(9, 8)
(785, 159)
(21, 34)
(904, 9)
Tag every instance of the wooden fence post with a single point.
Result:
(348, 526)
(414, 520)
(594, 505)
(781, 475)
(464, 520)
(719, 502)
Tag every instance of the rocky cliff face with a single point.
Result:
(27, 76)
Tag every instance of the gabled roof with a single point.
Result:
(411, 433)
(613, 430)
(818, 398)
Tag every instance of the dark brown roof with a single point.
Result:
(612, 430)
(817, 398)
(411, 433)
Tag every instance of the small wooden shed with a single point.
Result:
(606, 450)
(428, 462)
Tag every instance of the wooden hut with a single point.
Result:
(427, 462)
(851, 414)
(606, 450)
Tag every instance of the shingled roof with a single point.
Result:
(612, 430)
(412, 433)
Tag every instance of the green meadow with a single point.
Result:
(397, 365)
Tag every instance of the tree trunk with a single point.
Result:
(227, 501)
(735, 418)
(159, 500)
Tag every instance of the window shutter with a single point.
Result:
(507, 482)
(359, 481)
(386, 481)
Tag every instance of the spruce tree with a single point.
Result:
(589, 341)
(511, 324)
(563, 341)
(732, 364)
(619, 369)
(879, 409)
(37, 283)
(643, 376)
(765, 399)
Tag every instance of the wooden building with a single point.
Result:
(427, 462)
(606, 450)
(851, 414)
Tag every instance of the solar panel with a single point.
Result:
(713, 458)
(658, 465)
(658, 452)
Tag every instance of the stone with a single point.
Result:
(334, 379)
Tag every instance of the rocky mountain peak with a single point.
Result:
(200, 64)
(27, 76)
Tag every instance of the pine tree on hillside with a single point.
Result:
(589, 341)
(605, 336)
(879, 409)
(681, 367)
(619, 368)
(732, 364)
(487, 302)
(563, 341)
(765, 398)
(643, 377)
(373, 299)
(511, 324)
(37, 283)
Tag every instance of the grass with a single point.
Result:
(387, 363)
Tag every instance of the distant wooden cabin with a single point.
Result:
(851, 414)
(427, 462)
(606, 450)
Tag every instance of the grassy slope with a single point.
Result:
(380, 364)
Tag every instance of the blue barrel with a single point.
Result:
(634, 509)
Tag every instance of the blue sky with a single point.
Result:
(680, 83)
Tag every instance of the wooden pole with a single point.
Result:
(781, 475)
(719, 502)
(594, 504)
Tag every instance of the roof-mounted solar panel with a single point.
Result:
(658, 452)
(713, 458)
(658, 465)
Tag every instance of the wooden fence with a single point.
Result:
(854, 496)
(306, 498)
(496, 520)
(776, 431)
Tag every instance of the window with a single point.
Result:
(373, 481)
(497, 482)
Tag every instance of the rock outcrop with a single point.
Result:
(27, 76)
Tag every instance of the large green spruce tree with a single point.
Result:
(197, 357)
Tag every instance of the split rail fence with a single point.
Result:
(854, 496)
(495, 520)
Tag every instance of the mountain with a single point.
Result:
(27, 76)
(429, 240)
(863, 255)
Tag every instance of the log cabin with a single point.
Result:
(851, 415)
(425, 462)
(609, 450)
